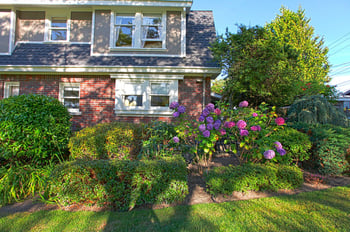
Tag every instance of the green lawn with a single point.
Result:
(327, 210)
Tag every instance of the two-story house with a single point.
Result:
(108, 60)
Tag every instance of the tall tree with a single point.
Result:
(276, 63)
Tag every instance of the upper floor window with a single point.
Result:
(11, 89)
(58, 29)
(139, 31)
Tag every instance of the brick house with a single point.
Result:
(108, 60)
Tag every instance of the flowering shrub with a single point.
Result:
(250, 130)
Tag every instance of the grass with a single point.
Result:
(326, 210)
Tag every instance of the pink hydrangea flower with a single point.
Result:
(269, 154)
(243, 104)
(279, 121)
(176, 139)
(241, 124)
(244, 132)
(229, 124)
(254, 128)
(255, 115)
(278, 145)
(222, 132)
(217, 111)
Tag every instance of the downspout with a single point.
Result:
(204, 89)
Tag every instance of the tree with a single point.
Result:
(276, 63)
(218, 86)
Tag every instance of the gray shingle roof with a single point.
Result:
(200, 32)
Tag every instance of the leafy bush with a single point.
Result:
(257, 177)
(331, 147)
(19, 182)
(316, 109)
(158, 140)
(34, 130)
(107, 141)
(297, 145)
(122, 184)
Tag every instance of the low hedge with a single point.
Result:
(256, 177)
(119, 184)
(118, 140)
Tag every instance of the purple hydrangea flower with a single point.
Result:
(201, 118)
(229, 124)
(210, 107)
(243, 104)
(241, 124)
(205, 112)
(217, 124)
(206, 133)
(269, 154)
(222, 132)
(244, 132)
(217, 111)
(176, 139)
(278, 145)
(279, 121)
(174, 105)
(255, 115)
(181, 109)
(210, 126)
(210, 119)
(254, 128)
(202, 127)
(176, 114)
(258, 127)
(281, 151)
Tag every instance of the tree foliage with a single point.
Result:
(218, 86)
(276, 63)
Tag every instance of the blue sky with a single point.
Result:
(330, 18)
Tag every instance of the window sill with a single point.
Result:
(138, 49)
(75, 113)
(148, 113)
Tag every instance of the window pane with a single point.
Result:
(13, 91)
(133, 100)
(128, 20)
(124, 36)
(160, 88)
(71, 103)
(152, 44)
(58, 34)
(152, 20)
(71, 92)
(160, 101)
(151, 32)
(59, 23)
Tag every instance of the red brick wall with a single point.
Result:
(97, 96)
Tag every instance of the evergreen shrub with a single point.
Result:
(117, 140)
(250, 176)
(34, 129)
(121, 184)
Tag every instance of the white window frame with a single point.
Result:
(57, 13)
(142, 84)
(137, 31)
(7, 87)
(61, 97)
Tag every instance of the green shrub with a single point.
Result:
(331, 146)
(122, 184)
(316, 109)
(34, 130)
(158, 140)
(107, 141)
(256, 177)
(297, 145)
(19, 182)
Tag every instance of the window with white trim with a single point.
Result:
(69, 95)
(58, 29)
(145, 96)
(139, 31)
(11, 89)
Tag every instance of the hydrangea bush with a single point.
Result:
(247, 130)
